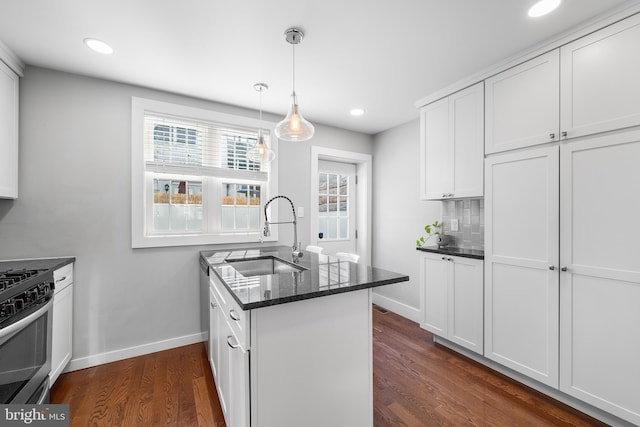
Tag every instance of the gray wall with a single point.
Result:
(399, 215)
(75, 199)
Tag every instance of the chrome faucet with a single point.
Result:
(295, 249)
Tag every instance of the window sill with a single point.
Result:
(138, 242)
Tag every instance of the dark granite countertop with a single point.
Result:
(325, 275)
(466, 253)
(36, 264)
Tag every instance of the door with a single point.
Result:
(435, 277)
(600, 90)
(336, 207)
(466, 124)
(600, 289)
(521, 257)
(435, 150)
(466, 302)
(521, 105)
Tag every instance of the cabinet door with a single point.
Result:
(600, 87)
(62, 331)
(521, 291)
(435, 150)
(466, 303)
(9, 82)
(239, 384)
(434, 273)
(600, 291)
(521, 105)
(214, 333)
(466, 134)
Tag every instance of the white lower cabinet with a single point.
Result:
(453, 299)
(300, 363)
(62, 328)
(229, 360)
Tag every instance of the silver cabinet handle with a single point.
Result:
(213, 305)
(444, 258)
(233, 315)
(552, 267)
(444, 196)
(235, 345)
(450, 194)
(552, 136)
(563, 268)
(61, 279)
(564, 134)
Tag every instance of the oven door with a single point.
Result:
(25, 355)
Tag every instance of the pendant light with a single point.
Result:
(294, 127)
(261, 152)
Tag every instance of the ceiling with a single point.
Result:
(380, 55)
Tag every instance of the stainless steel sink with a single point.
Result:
(263, 266)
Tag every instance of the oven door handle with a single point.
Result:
(7, 332)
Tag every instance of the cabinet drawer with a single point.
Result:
(63, 277)
(238, 320)
(235, 316)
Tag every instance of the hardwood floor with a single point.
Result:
(416, 383)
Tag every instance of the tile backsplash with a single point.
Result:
(470, 216)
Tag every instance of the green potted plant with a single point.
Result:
(431, 230)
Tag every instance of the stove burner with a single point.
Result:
(10, 278)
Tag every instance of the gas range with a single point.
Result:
(21, 290)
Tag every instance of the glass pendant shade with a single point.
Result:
(294, 127)
(261, 151)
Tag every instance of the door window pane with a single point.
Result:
(333, 205)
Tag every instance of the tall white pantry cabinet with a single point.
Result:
(562, 260)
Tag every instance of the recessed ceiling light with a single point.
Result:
(98, 46)
(357, 112)
(543, 7)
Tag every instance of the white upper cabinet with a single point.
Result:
(9, 84)
(521, 105)
(586, 87)
(451, 145)
(599, 80)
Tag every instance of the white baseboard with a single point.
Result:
(139, 350)
(397, 307)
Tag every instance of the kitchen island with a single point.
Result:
(291, 346)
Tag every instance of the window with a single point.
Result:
(333, 206)
(192, 182)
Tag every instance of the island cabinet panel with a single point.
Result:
(521, 256)
(451, 145)
(599, 80)
(453, 299)
(311, 362)
(600, 289)
(521, 105)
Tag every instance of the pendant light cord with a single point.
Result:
(293, 47)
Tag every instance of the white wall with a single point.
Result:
(75, 199)
(399, 216)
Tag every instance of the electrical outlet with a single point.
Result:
(300, 212)
(454, 224)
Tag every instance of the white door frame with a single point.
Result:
(364, 193)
